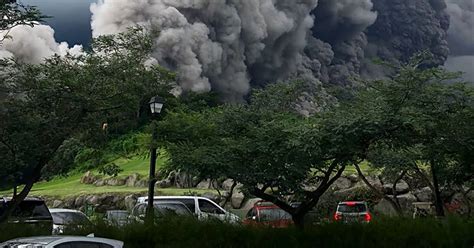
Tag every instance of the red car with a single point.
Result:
(267, 214)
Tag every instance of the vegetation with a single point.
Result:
(402, 124)
(88, 97)
(15, 14)
(188, 232)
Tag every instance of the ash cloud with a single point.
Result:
(461, 37)
(33, 44)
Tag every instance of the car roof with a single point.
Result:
(352, 202)
(144, 198)
(64, 210)
(45, 240)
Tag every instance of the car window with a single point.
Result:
(65, 218)
(29, 209)
(352, 208)
(77, 244)
(273, 214)
(251, 213)
(208, 207)
(190, 203)
(172, 209)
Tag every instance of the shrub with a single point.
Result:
(110, 170)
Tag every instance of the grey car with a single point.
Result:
(352, 212)
(62, 242)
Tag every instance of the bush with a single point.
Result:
(110, 170)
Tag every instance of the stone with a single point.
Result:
(401, 188)
(130, 201)
(142, 183)
(165, 183)
(115, 181)
(205, 184)
(131, 180)
(250, 203)
(100, 182)
(227, 184)
(212, 196)
(374, 181)
(80, 201)
(237, 199)
(406, 201)
(384, 207)
(58, 204)
(354, 178)
(88, 178)
(424, 195)
(341, 183)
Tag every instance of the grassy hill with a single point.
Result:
(62, 187)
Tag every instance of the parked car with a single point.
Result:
(352, 212)
(162, 209)
(202, 207)
(31, 212)
(117, 217)
(63, 242)
(267, 214)
(68, 218)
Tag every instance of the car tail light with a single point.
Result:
(367, 217)
(337, 216)
(351, 204)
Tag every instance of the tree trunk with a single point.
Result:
(438, 200)
(299, 220)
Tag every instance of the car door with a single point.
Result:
(83, 244)
(210, 209)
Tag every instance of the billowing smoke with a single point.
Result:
(461, 37)
(33, 44)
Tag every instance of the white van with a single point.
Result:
(202, 207)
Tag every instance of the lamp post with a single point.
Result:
(156, 105)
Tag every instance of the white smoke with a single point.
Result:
(217, 44)
(33, 44)
(461, 37)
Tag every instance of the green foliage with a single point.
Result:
(65, 158)
(67, 97)
(171, 232)
(110, 170)
(15, 14)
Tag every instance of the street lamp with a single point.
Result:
(156, 105)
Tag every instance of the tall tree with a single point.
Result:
(71, 97)
(14, 14)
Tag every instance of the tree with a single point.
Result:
(16, 14)
(70, 97)
(421, 122)
(273, 151)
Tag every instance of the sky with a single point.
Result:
(69, 18)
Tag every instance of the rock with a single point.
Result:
(354, 178)
(130, 201)
(100, 182)
(114, 181)
(402, 188)
(237, 199)
(341, 183)
(88, 178)
(227, 184)
(250, 203)
(205, 184)
(406, 201)
(93, 200)
(212, 196)
(142, 183)
(385, 208)
(352, 194)
(80, 201)
(165, 183)
(374, 181)
(58, 204)
(424, 195)
(131, 180)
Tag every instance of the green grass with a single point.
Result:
(63, 187)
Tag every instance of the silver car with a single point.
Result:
(352, 212)
(62, 242)
(67, 218)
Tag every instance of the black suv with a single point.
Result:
(31, 212)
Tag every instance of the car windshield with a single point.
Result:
(163, 209)
(117, 215)
(352, 208)
(272, 214)
(66, 218)
(30, 209)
